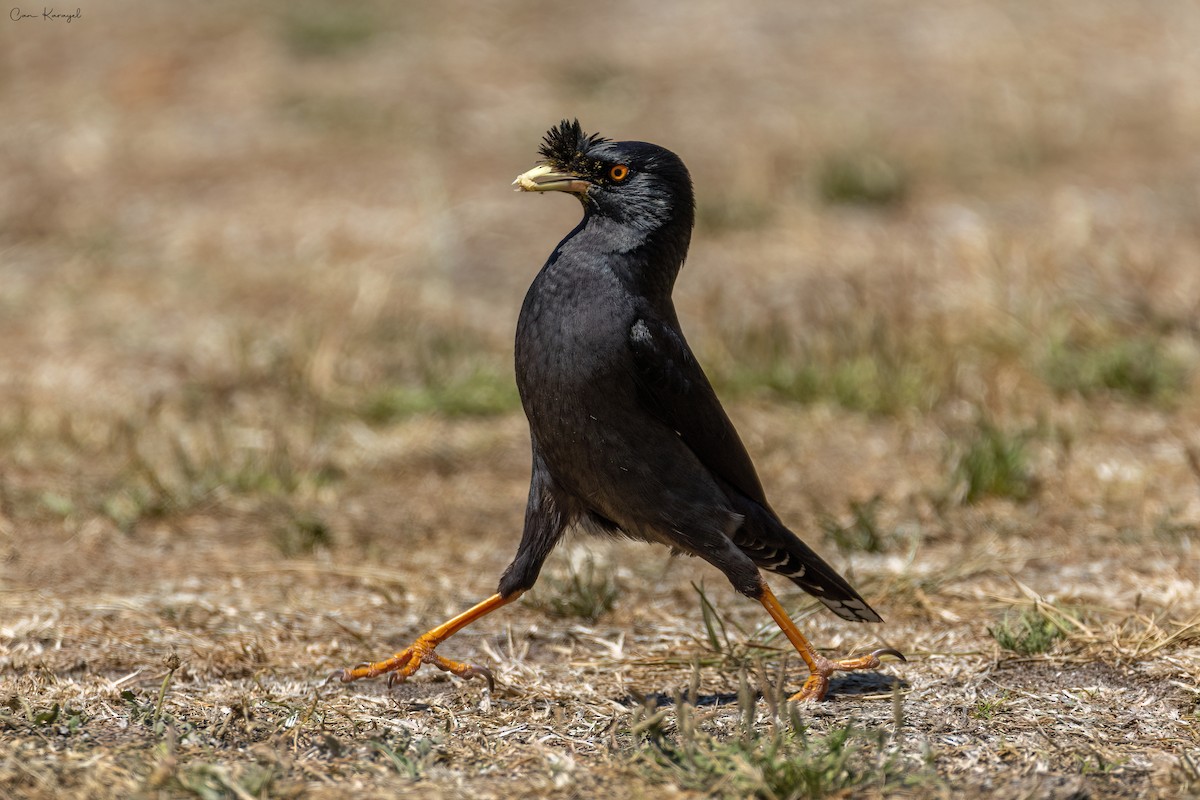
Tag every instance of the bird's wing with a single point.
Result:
(677, 392)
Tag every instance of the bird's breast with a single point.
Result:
(572, 354)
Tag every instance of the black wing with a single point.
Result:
(677, 392)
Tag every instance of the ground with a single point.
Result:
(261, 269)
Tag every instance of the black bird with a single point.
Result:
(628, 436)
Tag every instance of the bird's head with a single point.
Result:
(636, 184)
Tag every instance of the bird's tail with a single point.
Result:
(771, 546)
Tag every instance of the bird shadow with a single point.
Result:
(855, 684)
(663, 700)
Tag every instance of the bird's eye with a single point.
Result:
(619, 173)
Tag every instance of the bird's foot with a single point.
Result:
(818, 681)
(399, 667)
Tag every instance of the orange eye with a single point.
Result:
(619, 173)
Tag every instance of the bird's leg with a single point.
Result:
(819, 667)
(403, 664)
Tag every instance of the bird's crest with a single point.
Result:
(565, 143)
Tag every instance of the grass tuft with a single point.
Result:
(479, 393)
(217, 781)
(582, 591)
(302, 534)
(988, 707)
(321, 30)
(865, 383)
(718, 215)
(409, 755)
(726, 651)
(172, 466)
(1139, 368)
(863, 533)
(995, 463)
(861, 178)
(57, 504)
(876, 369)
(24, 716)
(782, 761)
(715, 631)
(1032, 631)
(151, 714)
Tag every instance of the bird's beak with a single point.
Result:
(545, 178)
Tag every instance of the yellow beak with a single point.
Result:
(545, 179)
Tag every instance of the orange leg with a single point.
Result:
(819, 667)
(403, 664)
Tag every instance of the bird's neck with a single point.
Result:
(646, 261)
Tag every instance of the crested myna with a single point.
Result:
(628, 436)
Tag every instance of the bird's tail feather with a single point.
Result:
(771, 546)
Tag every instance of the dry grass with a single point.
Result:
(260, 270)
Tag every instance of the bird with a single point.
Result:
(628, 436)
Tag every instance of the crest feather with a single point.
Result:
(566, 142)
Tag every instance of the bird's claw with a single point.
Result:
(889, 651)
(814, 688)
(818, 681)
(474, 671)
(402, 665)
(461, 669)
(342, 675)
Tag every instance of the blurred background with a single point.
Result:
(240, 244)
(260, 268)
